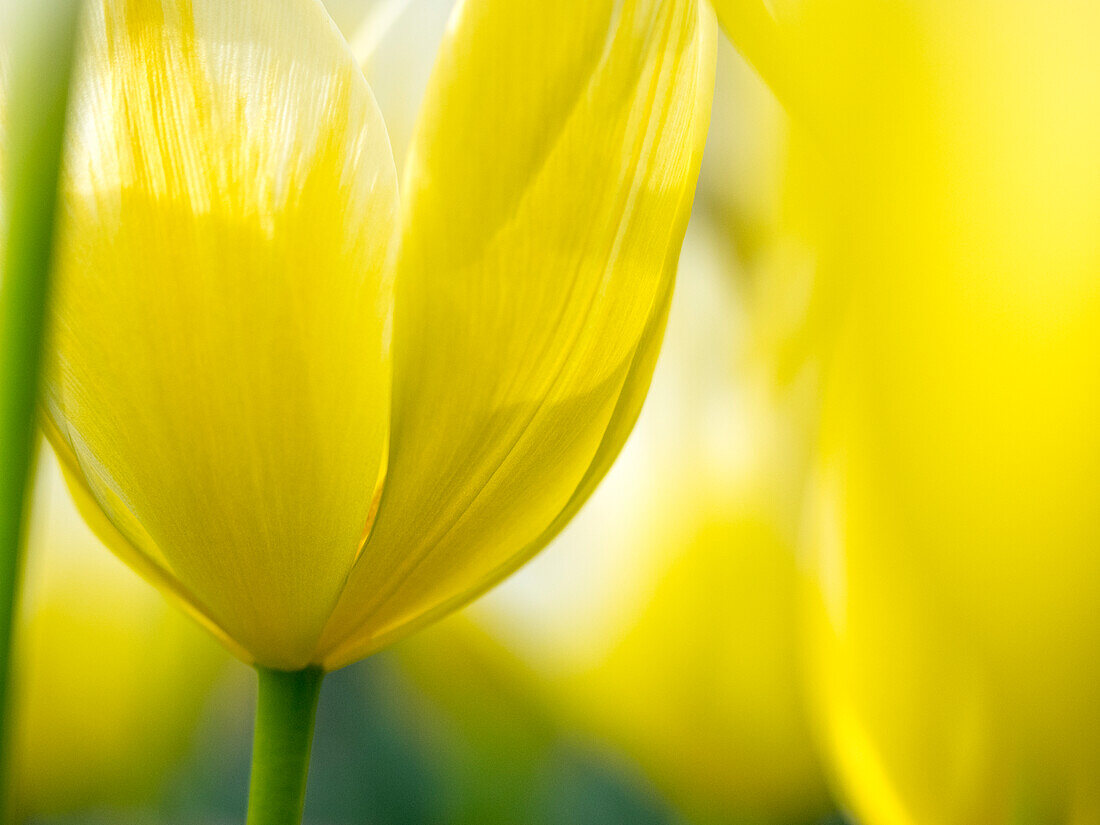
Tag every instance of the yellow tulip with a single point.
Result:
(234, 266)
(955, 524)
(220, 389)
(88, 735)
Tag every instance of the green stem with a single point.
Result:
(285, 710)
(35, 125)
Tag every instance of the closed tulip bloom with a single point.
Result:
(319, 418)
(954, 532)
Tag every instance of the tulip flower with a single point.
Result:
(318, 419)
(954, 526)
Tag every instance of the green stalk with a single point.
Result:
(285, 710)
(35, 120)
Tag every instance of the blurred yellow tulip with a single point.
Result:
(955, 526)
(704, 688)
(110, 680)
(220, 389)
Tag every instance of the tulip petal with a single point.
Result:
(151, 569)
(547, 195)
(221, 375)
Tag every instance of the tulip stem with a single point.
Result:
(285, 710)
(38, 91)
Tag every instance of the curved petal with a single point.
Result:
(153, 570)
(221, 368)
(548, 193)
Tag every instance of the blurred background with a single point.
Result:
(845, 568)
(644, 669)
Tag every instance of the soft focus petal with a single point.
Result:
(956, 640)
(548, 191)
(221, 377)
